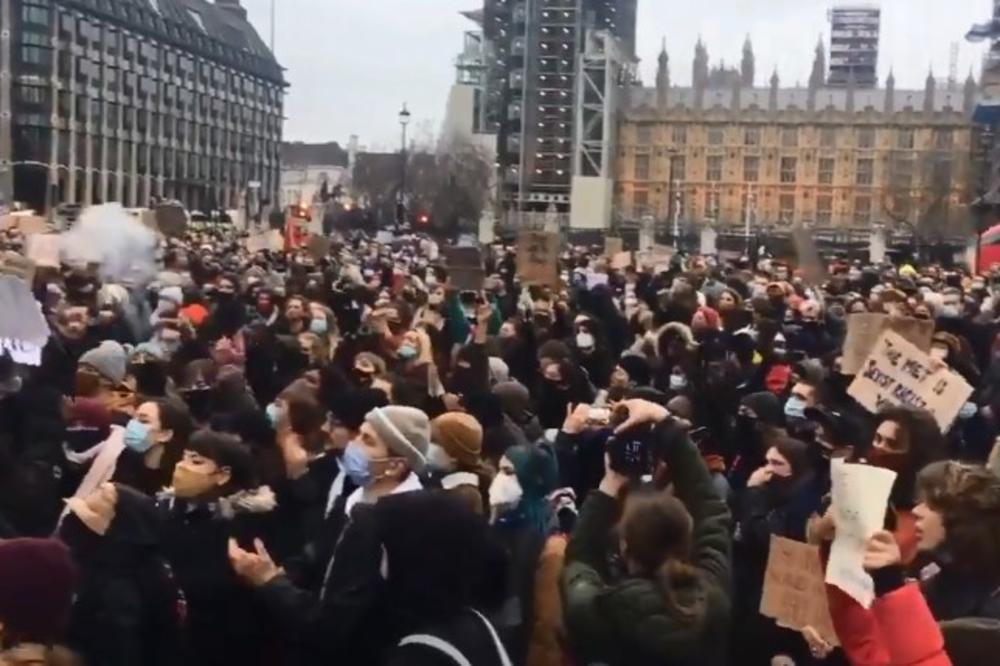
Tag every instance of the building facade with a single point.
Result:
(531, 85)
(134, 100)
(774, 156)
(854, 39)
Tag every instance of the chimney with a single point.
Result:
(233, 6)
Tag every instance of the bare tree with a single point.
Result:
(924, 209)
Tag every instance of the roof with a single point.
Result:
(797, 99)
(304, 154)
(198, 26)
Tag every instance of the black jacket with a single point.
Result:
(468, 633)
(225, 623)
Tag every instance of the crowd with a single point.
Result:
(283, 458)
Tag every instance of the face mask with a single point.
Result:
(199, 401)
(585, 341)
(363, 378)
(273, 414)
(678, 382)
(407, 352)
(950, 311)
(795, 408)
(137, 436)
(431, 280)
(356, 465)
(505, 491)
(170, 346)
(318, 326)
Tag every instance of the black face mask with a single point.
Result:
(781, 488)
(199, 400)
(150, 378)
(363, 379)
(81, 439)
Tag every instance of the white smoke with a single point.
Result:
(106, 235)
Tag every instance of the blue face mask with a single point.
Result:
(273, 414)
(407, 352)
(356, 465)
(795, 408)
(137, 436)
(318, 326)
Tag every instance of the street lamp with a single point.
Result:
(404, 120)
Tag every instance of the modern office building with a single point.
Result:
(132, 100)
(854, 40)
(533, 86)
(776, 156)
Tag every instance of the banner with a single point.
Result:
(538, 258)
(860, 496)
(17, 265)
(794, 589)
(897, 373)
(864, 330)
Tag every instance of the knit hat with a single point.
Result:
(406, 431)
(637, 368)
(109, 359)
(37, 580)
(765, 405)
(499, 371)
(460, 435)
(710, 316)
(514, 398)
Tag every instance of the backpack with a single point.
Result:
(441, 645)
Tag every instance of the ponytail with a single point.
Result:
(673, 575)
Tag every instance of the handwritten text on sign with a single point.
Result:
(897, 373)
(794, 589)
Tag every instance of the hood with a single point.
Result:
(682, 331)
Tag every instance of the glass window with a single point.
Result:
(866, 137)
(751, 169)
(828, 137)
(35, 14)
(790, 137)
(902, 172)
(677, 166)
(716, 135)
(786, 206)
(751, 136)
(711, 204)
(944, 139)
(640, 200)
(862, 210)
(789, 166)
(826, 167)
(679, 135)
(865, 172)
(824, 209)
(642, 167)
(713, 168)
(904, 139)
(643, 135)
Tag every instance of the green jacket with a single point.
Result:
(627, 622)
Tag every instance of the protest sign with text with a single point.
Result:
(897, 373)
(538, 258)
(794, 589)
(860, 496)
(864, 329)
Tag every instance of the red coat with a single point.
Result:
(899, 630)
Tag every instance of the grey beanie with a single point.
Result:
(109, 359)
(406, 432)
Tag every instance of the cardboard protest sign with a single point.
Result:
(538, 258)
(621, 260)
(465, 268)
(794, 589)
(613, 245)
(860, 495)
(171, 220)
(864, 330)
(17, 265)
(257, 243)
(897, 373)
(43, 249)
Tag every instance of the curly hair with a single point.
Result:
(968, 499)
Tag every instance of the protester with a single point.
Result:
(319, 456)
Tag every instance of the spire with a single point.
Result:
(748, 66)
(817, 78)
(969, 94)
(773, 101)
(663, 77)
(890, 92)
(929, 88)
(699, 73)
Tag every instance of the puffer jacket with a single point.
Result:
(627, 621)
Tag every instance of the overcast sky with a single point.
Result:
(352, 63)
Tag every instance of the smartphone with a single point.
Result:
(598, 417)
(629, 452)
